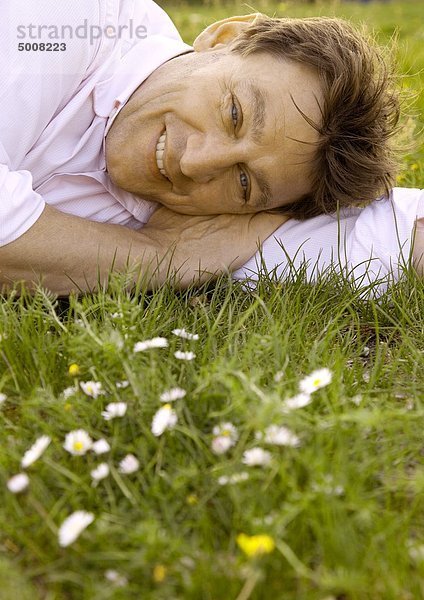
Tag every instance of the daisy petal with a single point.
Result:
(157, 342)
(182, 333)
(165, 418)
(35, 451)
(100, 447)
(256, 457)
(73, 526)
(172, 395)
(184, 355)
(129, 464)
(18, 483)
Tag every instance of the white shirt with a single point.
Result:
(57, 106)
(367, 245)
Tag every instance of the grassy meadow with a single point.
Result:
(223, 471)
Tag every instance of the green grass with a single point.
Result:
(345, 508)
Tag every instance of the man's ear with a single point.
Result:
(223, 32)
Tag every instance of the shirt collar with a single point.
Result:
(134, 67)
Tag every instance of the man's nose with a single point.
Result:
(205, 157)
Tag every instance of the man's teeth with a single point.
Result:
(160, 149)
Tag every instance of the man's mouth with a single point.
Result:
(160, 151)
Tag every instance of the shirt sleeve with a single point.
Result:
(369, 244)
(20, 206)
(36, 84)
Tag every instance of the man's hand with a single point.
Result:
(204, 246)
(418, 252)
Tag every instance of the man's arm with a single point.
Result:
(67, 253)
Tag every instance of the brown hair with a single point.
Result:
(354, 162)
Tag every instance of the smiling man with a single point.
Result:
(221, 134)
(120, 145)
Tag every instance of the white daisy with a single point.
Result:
(114, 409)
(116, 315)
(226, 430)
(100, 446)
(221, 444)
(115, 338)
(235, 478)
(184, 355)
(415, 551)
(278, 376)
(18, 483)
(298, 401)
(357, 399)
(225, 436)
(68, 392)
(3, 398)
(164, 418)
(182, 333)
(35, 451)
(315, 381)
(92, 388)
(172, 395)
(73, 526)
(116, 578)
(256, 457)
(328, 486)
(157, 342)
(100, 472)
(121, 385)
(129, 464)
(77, 442)
(280, 436)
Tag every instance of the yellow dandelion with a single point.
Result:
(414, 167)
(255, 545)
(159, 573)
(73, 370)
(192, 499)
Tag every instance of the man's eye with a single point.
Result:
(234, 114)
(244, 182)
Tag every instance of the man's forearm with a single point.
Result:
(66, 253)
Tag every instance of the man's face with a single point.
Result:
(215, 132)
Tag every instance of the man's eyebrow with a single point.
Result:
(265, 197)
(258, 122)
(258, 115)
(257, 101)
